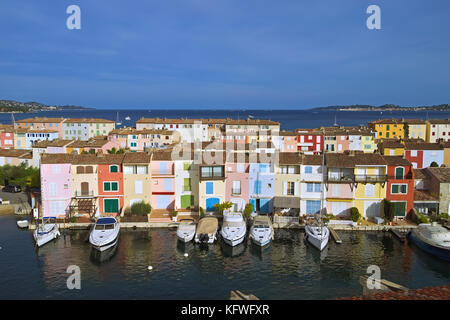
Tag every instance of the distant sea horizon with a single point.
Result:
(289, 119)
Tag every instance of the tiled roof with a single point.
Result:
(287, 133)
(29, 130)
(339, 160)
(312, 160)
(387, 121)
(368, 159)
(162, 155)
(55, 158)
(97, 158)
(420, 174)
(441, 174)
(53, 143)
(439, 121)
(415, 121)
(136, 158)
(14, 153)
(41, 120)
(422, 195)
(208, 121)
(125, 131)
(396, 161)
(423, 146)
(290, 158)
(428, 293)
(386, 143)
(88, 120)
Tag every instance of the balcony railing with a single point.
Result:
(341, 177)
(364, 178)
(81, 194)
(405, 177)
(236, 192)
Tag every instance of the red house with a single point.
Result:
(110, 184)
(400, 185)
(6, 136)
(309, 141)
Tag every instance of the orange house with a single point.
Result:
(110, 185)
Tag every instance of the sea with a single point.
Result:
(288, 269)
(289, 119)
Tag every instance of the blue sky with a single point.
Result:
(225, 53)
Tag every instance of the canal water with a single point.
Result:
(288, 269)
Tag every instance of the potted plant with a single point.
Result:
(174, 215)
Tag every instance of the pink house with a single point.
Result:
(237, 180)
(163, 181)
(55, 184)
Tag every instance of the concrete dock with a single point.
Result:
(335, 235)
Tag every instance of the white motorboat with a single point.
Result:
(127, 118)
(233, 229)
(186, 230)
(105, 233)
(316, 232)
(433, 239)
(46, 231)
(22, 224)
(206, 230)
(261, 231)
(317, 235)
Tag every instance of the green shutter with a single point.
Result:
(403, 188)
(113, 169)
(111, 206)
(187, 166)
(187, 184)
(106, 186)
(114, 186)
(395, 188)
(187, 201)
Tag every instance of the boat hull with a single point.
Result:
(235, 241)
(318, 241)
(427, 247)
(185, 237)
(107, 246)
(261, 240)
(200, 238)
(42, 239)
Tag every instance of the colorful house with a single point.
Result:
(438, 130)
(400, 185)
(422, 154)
(110, 184)
(6, 136)
(186, 183)
(417, 129)
(312, 171)
(212, 183)
(391, 147)
(309, 141)
(137, 179)
(439, 187)
(370, 183)
(388, 128)
(340, 185)
(84, 129)
(42, 123)
(163, 181)
(56, 184)
(237, 180)
(287, 183)
(261, 181)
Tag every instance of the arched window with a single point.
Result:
(113, 168)
(399, 173)
(80, 169)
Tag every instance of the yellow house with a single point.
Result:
(212, 180)
(391, 148)
(447, 153)
(417, 129)
(388, 128)
(20, 138)
(370, 182)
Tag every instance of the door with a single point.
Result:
(111, 206)
(210, 202)
(399, 209)
(187, 201)
(163, 202)
(85, 188)
(264, 206)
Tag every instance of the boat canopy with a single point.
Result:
(106, 221)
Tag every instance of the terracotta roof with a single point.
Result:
(290, 158)
(428, 293)
(368, 159)
(441, 174)
(339, 160)
(162, 155)
(30, 130)
(422, 195)
(55, 158)
(6, 128)
(415, 121)
(387, 121)
(396, 161)
(97, 158)
(312, 160)
(423, 146)
(213, 158)
(14, 153)
(53, 143)
(41, 120)
(420, 174)
(287, 133)
(136, 158)
(126, 131)
(439, 121)
(390, 144)
(88, 120)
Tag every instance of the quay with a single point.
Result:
(335, 235)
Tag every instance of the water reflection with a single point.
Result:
(233, 251)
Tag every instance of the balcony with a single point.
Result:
(364, 178)
(341, 177)
(406, 177)
(236, 192)
(84, 194)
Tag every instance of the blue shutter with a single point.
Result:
(210, 188)
(162, 168)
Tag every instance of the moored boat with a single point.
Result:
(207, 230)
(233, 229)
(261, 232)
(186, 230)
(46, 231)
(433, 239)
(317, 235)
(22, 224)
(105, 233)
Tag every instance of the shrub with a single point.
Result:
(202, 212)
(141, 208)
(174, 213)
(354, 214)
(221, 207)
(434, 164)
(248, 210)
(389, 210)
(419, 218)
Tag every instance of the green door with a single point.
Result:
(187, 201)
(111, 206)
(400, 209)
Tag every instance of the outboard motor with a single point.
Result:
(203, 237)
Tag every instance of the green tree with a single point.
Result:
(388, 210)
(354, 214)
(434, 164)
(248, 210)
(141, 208)
(406, 130)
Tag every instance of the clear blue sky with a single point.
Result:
(225, 53)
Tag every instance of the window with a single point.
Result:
(138, 187)
(56, 168)
(369, 190)
(110, 186)
(312, 206)
(257, 187)
(413, 153)
(210, 188)
(113, 168)
(308, 169)
(399, 173)
(187, 184)
(53, 188)
(186, 166)
(236, 187)
(290, 188)
(80, 169)
(89, 169)
(399, 188)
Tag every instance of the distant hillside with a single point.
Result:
(385, 107)
(15, 106)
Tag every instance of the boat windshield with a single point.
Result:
(261, 226)
(104, 227)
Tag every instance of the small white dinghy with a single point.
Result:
(261, 231)
(105, 233)
(317, 235)
(22, 224)
(233, 229)
(46, 231)
(207, 230)
(186, 230)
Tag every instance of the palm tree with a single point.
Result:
(221, 207)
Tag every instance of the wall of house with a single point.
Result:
(56, 189)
